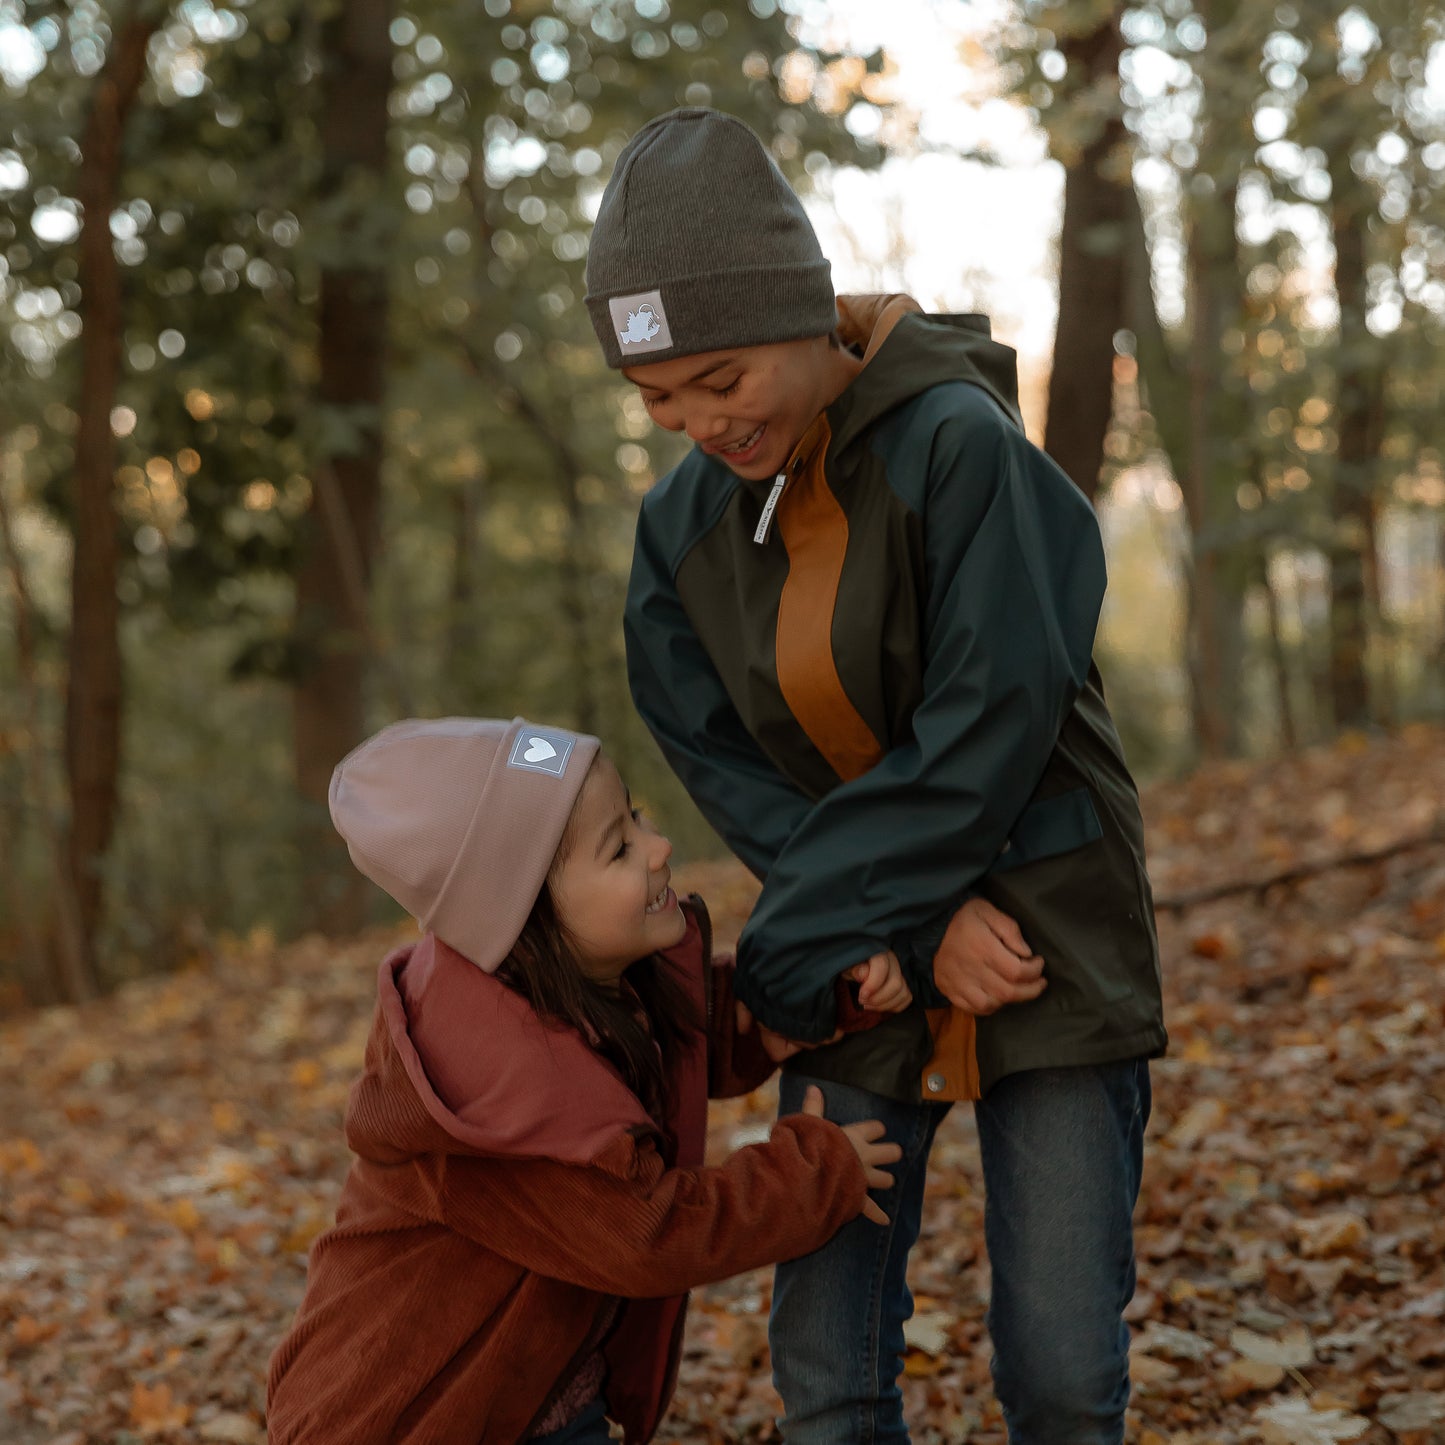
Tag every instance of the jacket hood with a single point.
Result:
(917, 351)
(459, 1064)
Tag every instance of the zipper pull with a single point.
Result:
(769, 507)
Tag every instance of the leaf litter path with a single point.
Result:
(167, 1156)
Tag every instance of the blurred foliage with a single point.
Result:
(513, 458)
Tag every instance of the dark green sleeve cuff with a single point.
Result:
(915, 953)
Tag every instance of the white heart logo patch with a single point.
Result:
(544, 750)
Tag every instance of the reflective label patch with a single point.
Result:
(541, 750)
(640, 323)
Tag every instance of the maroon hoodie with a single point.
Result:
(478, 1246)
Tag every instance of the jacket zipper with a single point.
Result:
(769, 507)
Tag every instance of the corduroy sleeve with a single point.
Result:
(625, 1225)
(681, 698)
(1015, 582)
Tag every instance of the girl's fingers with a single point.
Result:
(873, 1212)
(813, 1101)
(871, 976)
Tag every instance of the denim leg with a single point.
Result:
(1062, 1151)
(837, 1323)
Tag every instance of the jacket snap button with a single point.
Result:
(935, 1083)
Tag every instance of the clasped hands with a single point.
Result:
(982, 964)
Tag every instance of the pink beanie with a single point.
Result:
(459, 820)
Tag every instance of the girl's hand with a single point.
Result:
(882, 988)
(774, 1044)
(983, 962)
(871, 1153)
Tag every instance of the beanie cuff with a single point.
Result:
(745, 306)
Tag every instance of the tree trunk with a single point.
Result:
(1279, 659)
(93, 689)
(1092, 263)
(57, 967)
(342, 527)
(1358, 405)
(1212, 271)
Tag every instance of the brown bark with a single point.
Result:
(93, 689)
(58, 965)
(1359, 406)
(342, 528)
(1213, 270)
(1092, 264)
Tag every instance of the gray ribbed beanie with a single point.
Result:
(700, 244)
(459, 820)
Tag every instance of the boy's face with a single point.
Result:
(748, 405)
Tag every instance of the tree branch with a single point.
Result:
(1187, 898)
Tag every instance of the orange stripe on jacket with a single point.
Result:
(814, 530)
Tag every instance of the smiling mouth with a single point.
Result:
(660, 902)
(745, 444)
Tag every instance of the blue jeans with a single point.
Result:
(1062, 1151)
(589, 1428)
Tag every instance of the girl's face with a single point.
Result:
(748, 406)
(611, 888)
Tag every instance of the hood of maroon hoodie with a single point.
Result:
(457, 1063)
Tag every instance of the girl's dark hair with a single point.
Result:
(543, 968)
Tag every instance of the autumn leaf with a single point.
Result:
(1291, 1351)
(1339, 1232)
(1247, 1377)
(928, 1331)
(1293, 1422)
(153, 1411)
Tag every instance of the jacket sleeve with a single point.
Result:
(682, 699)
(624, 1225)
(737, 1063)
(1015, 580)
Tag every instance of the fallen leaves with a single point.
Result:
(176, 1149)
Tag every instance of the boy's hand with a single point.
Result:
(983, 962)
(882, 988)
(871, 1153)
(774, 1044)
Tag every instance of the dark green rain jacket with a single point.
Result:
(889, 705)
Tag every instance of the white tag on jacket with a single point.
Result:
(769, 507)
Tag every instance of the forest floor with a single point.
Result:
(167, 1155)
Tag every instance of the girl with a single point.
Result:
(528, 1205)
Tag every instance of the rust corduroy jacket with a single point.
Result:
(478, 1243)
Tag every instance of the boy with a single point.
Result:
(860, 626)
